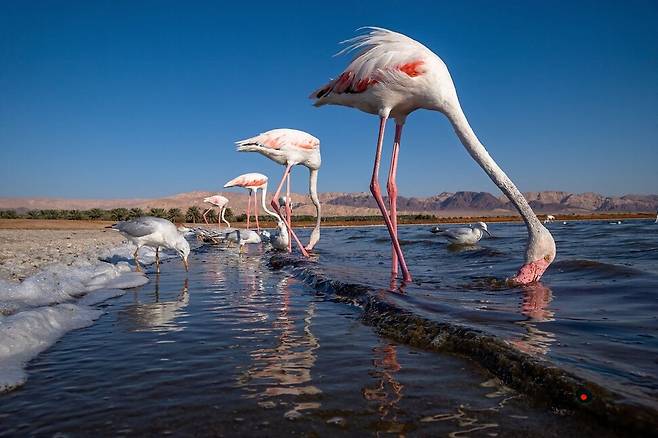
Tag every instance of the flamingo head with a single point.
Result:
(539, 255)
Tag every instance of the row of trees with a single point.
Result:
(192, 214)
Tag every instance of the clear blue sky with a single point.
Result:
(139, 99)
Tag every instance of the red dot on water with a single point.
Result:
(583, 397)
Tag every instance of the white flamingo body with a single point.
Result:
(290, 147)
(393, 75)
(220, 202)
(253, 182)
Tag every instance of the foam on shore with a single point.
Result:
(37, 312)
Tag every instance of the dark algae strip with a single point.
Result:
(540, 380)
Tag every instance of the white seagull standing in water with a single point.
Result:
(156, 233)
(243, 237)
(464, 235)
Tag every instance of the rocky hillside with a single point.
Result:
(342, 204)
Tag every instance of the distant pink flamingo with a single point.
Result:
(393, 75)
(220, 202)
(253, 182)
(290, 147)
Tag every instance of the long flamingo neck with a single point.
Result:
(263, 203)
(313, 192)
(481, 156)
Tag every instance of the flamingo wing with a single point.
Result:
(279, 138)
(383, 56)
(247, 180)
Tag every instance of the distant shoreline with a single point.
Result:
(69, 224)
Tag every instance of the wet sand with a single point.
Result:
(23, 252)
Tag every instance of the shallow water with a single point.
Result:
(595, 312)
(233, 348)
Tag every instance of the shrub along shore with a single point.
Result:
(193, 215)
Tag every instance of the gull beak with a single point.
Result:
(186, 264)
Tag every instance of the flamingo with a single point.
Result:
(220, 202)
(393, 75)
(290, 147)
(252, 182)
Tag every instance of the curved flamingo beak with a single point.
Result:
(487, 231)
(186, 264)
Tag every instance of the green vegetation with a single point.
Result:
(194, 215)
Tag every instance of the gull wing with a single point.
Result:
(142, 226)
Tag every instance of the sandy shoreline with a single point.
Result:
(24, 252)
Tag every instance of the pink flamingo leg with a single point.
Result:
(392, 189)
(275, 206)
(289, 212)
(256, 209)
(248, 208)
(376, 192)
(219, 219)
(205, 219)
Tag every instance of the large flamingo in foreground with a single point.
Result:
(252, 182)
(393, 75)
(290, 147)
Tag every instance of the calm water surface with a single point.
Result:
(235, 349)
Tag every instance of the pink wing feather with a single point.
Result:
(278, 138)
(384, 56)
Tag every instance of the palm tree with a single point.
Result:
(136, 212)
(212, 216)
(119, 214)
(95, 213)
(158, 212)
(193, 214)
(175, 215)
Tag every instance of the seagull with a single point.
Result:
(464, 235)
(243, 237)
(156, 233)
(280, 239)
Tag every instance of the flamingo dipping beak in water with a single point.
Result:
(393, 75)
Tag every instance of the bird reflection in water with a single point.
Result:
(156, 316)
(387, 392)
(285, 369)
(535, 306)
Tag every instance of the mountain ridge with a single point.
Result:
(362, 203)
